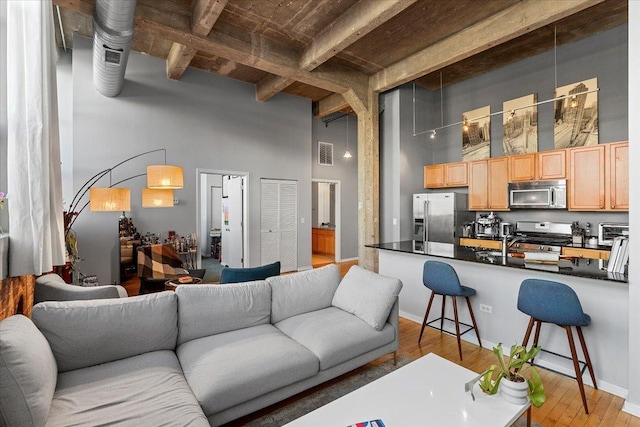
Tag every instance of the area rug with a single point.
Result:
(296, 407)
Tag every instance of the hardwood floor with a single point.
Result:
(562, 409)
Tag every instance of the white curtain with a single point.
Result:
(33, 154)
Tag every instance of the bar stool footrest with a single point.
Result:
(469, 327)
(582, 364)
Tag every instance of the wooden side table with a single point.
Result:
(171, 285)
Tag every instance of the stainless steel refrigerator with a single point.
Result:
(438, 219)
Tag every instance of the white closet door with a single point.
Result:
(279, 223)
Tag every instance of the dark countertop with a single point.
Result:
(576, 268)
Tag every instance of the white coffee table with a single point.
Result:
(426, 392)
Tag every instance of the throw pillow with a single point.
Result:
(368, 295)
(28, 373)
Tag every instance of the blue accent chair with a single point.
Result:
(443, 280)
(237, 275)
(553, 302)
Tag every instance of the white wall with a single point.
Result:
(204, 121)
(4, 217)
(632, 404)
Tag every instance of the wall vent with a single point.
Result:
(325, 153)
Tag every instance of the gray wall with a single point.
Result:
(603, 56)
(389, 165)
(343, 170)
(204, 121)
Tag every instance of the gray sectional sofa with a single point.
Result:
(51, 287)
(204, 355)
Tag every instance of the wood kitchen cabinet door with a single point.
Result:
(618, 160)
(552, 164)
(434, 176)
(488, 184)
(586, 186)
(478, 185)
(522, 167)
(498, 183)
(455, 174)
(445, 175)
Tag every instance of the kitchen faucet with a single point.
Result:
(506, 244)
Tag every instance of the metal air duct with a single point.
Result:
(113, 26)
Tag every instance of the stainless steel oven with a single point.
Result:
(538, 195)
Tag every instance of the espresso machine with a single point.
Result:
(487, 226)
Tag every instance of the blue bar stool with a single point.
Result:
(553, 302)
(442, 279)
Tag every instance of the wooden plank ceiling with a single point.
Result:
(318, 49)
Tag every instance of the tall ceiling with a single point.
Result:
(319, 49)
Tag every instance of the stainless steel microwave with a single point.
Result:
(538, 195)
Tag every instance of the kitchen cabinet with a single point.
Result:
(599, 177)
(323, 241)
(618, 176)
(586, 253)
(543, 165)
(586, 186)
(446, 175)
(481, 243)
(488, 182)
(552, 164)
(522, 167)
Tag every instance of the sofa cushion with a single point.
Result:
(86, 333)
(144, 390)
(27, 373)
(368, 295)
(205, 310)
(227, 369)
(302, 292)
(334, 335)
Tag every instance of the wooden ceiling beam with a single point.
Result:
(178, 60)
(260, 53)
(351, 26)
(521, 18)
(328, 105)
(205, 15)
(270, 85)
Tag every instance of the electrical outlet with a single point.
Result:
(486, 308)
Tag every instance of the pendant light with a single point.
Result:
(154, 198)
(164, 177)
(347, 154)
(109, 199)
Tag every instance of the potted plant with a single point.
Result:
(516, 379)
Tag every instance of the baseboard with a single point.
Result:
(348, 259)
(308, 267)
(631, 408)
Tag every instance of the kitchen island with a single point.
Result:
(497, 281)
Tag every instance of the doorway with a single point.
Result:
(221, 218)
(326, 222)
